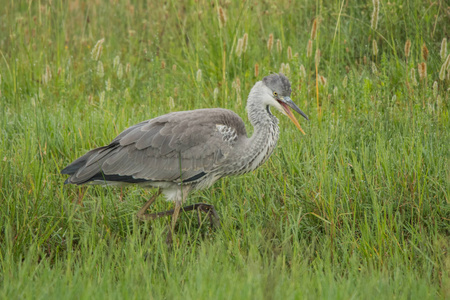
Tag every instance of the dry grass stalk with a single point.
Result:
(163, 64)
(407, 48)
(314, 30)
(289, 53)
(424, 52)
(376, 10)
(270, 42)
(374, 47)
(279, 48)
(443, 52)
(256, 70)
(422, 68)
(309, 49)
(222, 17)
(128, 68)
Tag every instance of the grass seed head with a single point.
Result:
(446, 63)
(422, 68)
(120, 71)
(424, 52)
(302, 72)
(322, 80)
(279, 48)
(442, 72)
(108, 86)
(199, 75)
(374, 68)
(270, 42)
(174, 67)
(128, 68)
(435, 89)
(281, 68)
(413, 76)
(116, 61)
(287, 70)
(222, 17)
(245, 42)
(309, 49)
(216, 94)
(256, 69)
(443, 52)
(407, 48)
(314, 30)
(171, 103)
(97, 50)
(376, 10)
(239, 47)
(100, 70)
(163, 64)
(374, 47)
(289, 53)
(344, 82)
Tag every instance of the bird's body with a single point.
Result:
(189, 150)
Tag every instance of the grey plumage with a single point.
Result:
(190, 149)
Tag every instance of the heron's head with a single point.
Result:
(278, 90)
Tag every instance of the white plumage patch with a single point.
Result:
(229, 134)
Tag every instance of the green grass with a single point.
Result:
(357, 208)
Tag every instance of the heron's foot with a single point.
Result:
(206, 208)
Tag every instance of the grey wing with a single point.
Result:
(181, 146)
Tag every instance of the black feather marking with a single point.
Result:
(118, 178)
(195, 177)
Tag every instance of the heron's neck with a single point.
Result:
(259, 113)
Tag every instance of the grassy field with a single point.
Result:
(359, 207)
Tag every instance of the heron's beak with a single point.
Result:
(286, 103)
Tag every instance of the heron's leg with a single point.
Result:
(146, 217)
(176, 213)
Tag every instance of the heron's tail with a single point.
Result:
(87, 166)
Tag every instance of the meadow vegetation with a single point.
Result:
(359, 207)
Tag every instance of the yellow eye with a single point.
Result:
(275, 94)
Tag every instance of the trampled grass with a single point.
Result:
(357, 208)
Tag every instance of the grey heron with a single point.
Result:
(189, 150)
